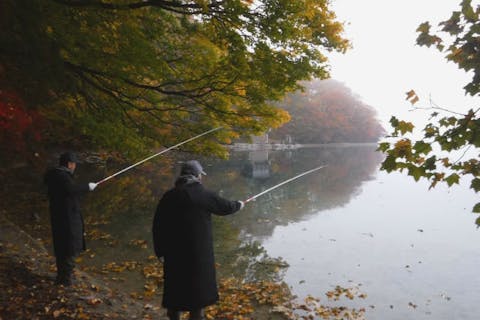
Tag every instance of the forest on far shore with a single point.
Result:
(327, 111)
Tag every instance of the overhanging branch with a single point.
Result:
(182, 7)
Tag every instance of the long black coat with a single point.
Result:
(182, 234)
(65, 216)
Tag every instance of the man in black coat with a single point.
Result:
(65, 216)
(182, 235)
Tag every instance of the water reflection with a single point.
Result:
(258, 166)
(347, 168)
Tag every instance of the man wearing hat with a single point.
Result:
(182, 235)
(65, 216)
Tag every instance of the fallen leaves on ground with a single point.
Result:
(27, 289)
(139, 243)
(96, 234)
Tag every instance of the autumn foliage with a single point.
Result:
(18, 125)
(132, 76)
(448, 148)
(327, 111)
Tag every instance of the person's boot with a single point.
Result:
(173, 314)
(63, 280)
(197, 314)
(65, 267)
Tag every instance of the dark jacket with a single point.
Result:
(182, 234)
(65, 216)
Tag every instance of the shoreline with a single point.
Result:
(280, 146)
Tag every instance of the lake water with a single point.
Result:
(412, 253)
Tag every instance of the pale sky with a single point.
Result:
(385, 62)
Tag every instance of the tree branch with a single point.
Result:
(172, 5)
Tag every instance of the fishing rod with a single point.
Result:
(282, 183)
(157, 154)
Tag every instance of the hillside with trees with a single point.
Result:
(327, 111)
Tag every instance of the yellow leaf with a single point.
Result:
(410, 94)
(94, 301)
(412, 97)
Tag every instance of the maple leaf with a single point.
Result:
(412, 97)
(410, 94)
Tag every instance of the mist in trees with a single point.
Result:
(327, 111)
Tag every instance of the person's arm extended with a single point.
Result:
(218, 205)
(72, 188)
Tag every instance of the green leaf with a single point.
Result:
(416, 172)
(394, 122)
(389, 164)
(433, 115)
(476, 209)
(475, 185)
(383, 146)
(452, 25)
(424, 27)
(430, 163)
(405, 127)
(422, 147)
(430, 131)
(452, 179)
(468, 11)
(452, 121)
(443, 122)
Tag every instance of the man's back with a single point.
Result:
(182, 233)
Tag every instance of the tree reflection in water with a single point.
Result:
(347, 168)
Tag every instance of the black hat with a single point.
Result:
(192, 167)
(67, 157)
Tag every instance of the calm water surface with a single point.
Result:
(414, 253)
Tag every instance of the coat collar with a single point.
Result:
(62, 168)
(186, 179)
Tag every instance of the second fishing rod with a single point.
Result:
(252, 198)
(157, 154)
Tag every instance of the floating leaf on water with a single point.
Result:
(444, 296)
